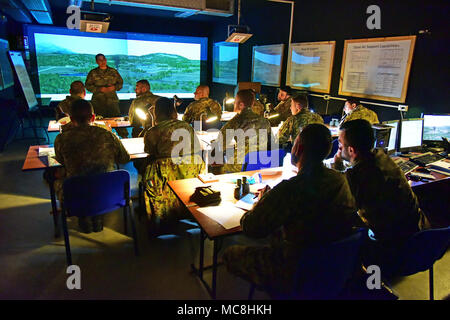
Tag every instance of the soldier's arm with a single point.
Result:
(284, 132)
(217, 109)
(268, 214)
(187, 116)
(90, 83)
(150, 138)
(131, 113)
(58, 150)
(119, 81)
(122, 155)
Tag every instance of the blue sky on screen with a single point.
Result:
(437, 121)
(228, 52)
(268, 58)
(301, 59)
(188, 50)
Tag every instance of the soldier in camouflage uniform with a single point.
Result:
(200, 105)
(161, 203)
(84, 149)
(104, 82)
(312, 208)
(384, 198)
(144, 101)
(77, 91)
(245, 120)
(354, 110)
(283, 108)
(258, 108)
(300, 118)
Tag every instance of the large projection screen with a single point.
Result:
(266, 64)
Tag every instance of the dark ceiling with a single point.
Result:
(60, 6)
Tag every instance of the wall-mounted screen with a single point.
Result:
(310, 65)
(172, 64)
(267, 62)
(6, 75)
(225, 62)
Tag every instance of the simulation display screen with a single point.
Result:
(435, 127)
(172, 64)
(225, 62)
(411, 133)
(266, 66)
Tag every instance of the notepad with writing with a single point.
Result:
(226, 214)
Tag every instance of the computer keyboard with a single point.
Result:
(407, 166)
(426, 159)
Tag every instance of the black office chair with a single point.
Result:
(323, 271)
(93, 195)
(418, 254)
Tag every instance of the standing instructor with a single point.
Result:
(104, 82)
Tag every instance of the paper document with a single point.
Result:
(43, 152)
(133, 145)
(247, 202)
(227, 214)
(440, 166)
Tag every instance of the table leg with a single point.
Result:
(214, 269)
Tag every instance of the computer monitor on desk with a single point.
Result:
(392, 145)
(411, 135)
(435, 127)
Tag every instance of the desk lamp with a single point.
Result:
(227, 101)
(210, 117)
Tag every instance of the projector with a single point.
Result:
(238, 34)
(94, 22)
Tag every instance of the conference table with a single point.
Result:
(116, 122)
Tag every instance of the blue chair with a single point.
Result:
(418, 254)
(253, 160)
(323, 271)
(95, 195)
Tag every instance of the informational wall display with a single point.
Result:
(377, 68)
(266, 64)
(6, 75)
(310, 65)
(24, 79)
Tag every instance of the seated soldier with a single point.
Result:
(77, 91)
(145, 101)
(198, 107)
(300, 118)
(168, 159)
(354, 110)
(258, 108)
(283, 108)
(251, 132)
(314, 207)
(385, 200)
(85, 149)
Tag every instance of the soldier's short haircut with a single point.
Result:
(145, 83)
(301, 99)
(164, 109)
(81, 111)
(352, 101)
(99, 55)
(286, 89)
(77, 87)
(359, 135)
(316, 141)
(246, 96)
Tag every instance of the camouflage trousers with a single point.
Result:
(107, 106)
(160, 201)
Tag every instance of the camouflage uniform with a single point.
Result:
(284, 109)
(314, 207)
(87, 149)
(360, 112)
(294, 124)
(196, 108)
(246, 120)
(63, 108)
(258, 108)
(161, 168)
(143, 102)
(384, 198)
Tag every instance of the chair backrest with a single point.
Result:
(96, 194)
(422, 250)
(257, 160)
(324, 270)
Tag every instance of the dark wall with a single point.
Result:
(323, 20)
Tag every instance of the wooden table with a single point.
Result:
(211, 229)
(117, 122)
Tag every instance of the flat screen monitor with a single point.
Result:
(393, 137)
(436, 126)
(174, 65)
(225, 62)
(266, 64)
(411, 134)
